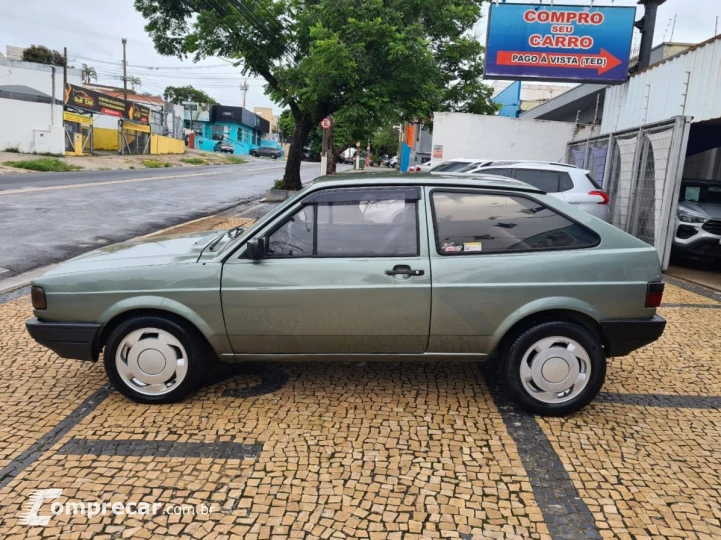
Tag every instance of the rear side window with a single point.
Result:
(476, 223)
(593, 182)
(499, 172)
(548, 181)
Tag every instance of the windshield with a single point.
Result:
(451, 166)
(700, 193)
(275, 211)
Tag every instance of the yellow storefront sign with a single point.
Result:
(75, 117)
(136, 127)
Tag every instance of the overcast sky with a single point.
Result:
(91, 30)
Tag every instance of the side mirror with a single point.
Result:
(255, 248)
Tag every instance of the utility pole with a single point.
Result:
(125, 71)
(244, 89)
(65, 68)
(647, 25)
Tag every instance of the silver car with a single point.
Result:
(697, 233)
(567, 182)
(372, 266)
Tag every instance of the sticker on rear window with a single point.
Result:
(450, 247)
(472, 247)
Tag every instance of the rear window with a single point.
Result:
(500, 172)
(593, 182)
(548, 181)
(452, 166)
(477, 223)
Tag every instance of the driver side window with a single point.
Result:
(295, 237)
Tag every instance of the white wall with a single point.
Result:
(497, 137)
(37, 76)
(26, 125)
(685, 85)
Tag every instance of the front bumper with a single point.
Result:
(623, 336)
(68, 340)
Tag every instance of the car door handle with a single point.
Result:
(404, 271)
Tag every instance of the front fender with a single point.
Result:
(219, 342)
(539, 306)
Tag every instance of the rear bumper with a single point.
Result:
(623, 336)
(68, 340)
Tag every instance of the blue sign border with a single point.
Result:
(621, 49)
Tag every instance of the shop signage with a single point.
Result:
(559, 43)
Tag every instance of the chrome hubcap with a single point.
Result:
(555, 369)
(151, 361)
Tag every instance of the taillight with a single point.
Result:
(654, 295)
(602, 194)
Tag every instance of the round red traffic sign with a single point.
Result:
(326, 123)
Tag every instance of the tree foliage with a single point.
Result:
(366, 60)
(385, 140)
(43, 55)
(180, 94)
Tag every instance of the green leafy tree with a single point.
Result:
(180, 94)
(321, 57)
(385, 140)
(88, 73)
(43, 55)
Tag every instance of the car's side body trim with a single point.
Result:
(68, 340)
(623, 336)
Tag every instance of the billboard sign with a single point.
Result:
(85, 99)
(197, 112)
(559, 43)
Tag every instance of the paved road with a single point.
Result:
(49, 217)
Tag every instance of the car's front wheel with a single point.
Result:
(254, 154)
(274, 156)
(555, 368)
(153, 359)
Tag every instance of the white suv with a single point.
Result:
(567, 182)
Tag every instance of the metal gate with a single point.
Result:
(134, 138)
(86, 132)
(641, 171)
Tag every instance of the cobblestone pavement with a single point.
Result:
(380, 451)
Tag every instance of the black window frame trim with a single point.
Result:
(502, 252)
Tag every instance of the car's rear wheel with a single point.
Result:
(254, 154)
(153, 359)
(555, 368)
(274, 156)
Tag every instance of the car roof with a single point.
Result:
(488, 181)
(541, 165)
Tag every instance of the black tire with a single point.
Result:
(510, 367)
(195, 349)
(254, 154)
(274, 156)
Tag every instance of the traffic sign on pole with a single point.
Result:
(326, 123)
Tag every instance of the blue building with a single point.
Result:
(236, 126)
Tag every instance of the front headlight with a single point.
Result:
(687, 217)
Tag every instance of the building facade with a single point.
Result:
(240, 128)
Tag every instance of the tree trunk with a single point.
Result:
(291, 178)
(330, 166)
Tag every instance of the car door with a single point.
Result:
(345, 270)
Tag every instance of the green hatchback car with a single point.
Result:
(371, 266)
